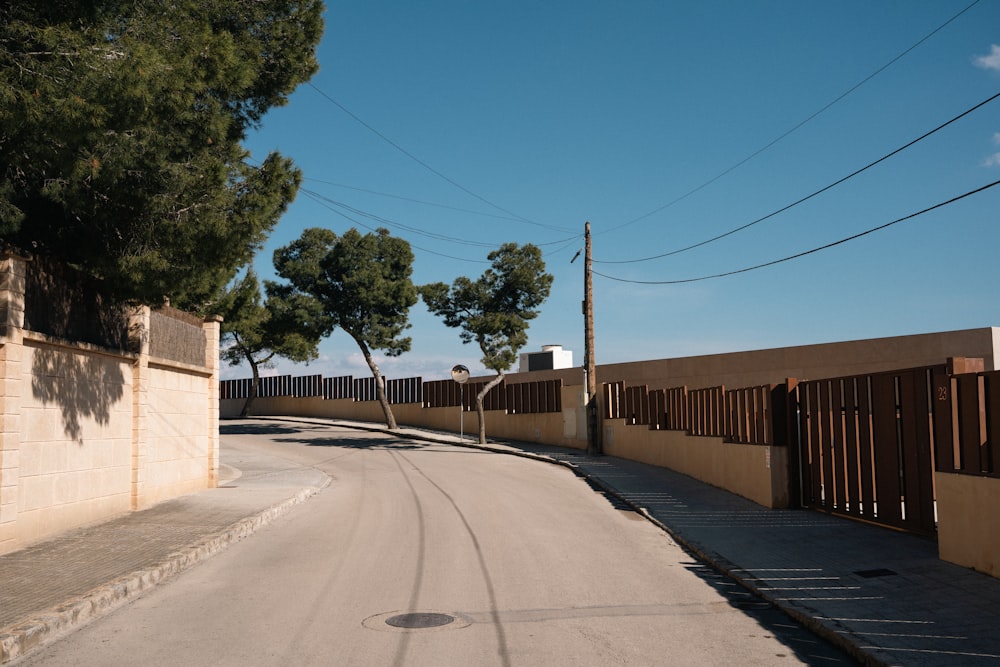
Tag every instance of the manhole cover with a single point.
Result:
(880, 572)
(419, 620)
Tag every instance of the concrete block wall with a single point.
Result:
(177, 459)
(76, 438)
(86, 433)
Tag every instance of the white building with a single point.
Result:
(551, 357)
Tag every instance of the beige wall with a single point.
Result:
(176, 461)
(969, 521)
(808, 362)
(564, 429)
(76, 438)
(86, 433)
(756, 472)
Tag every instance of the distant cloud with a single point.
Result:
(993, 160)
(991, 61)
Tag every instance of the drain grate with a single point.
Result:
(880, 572)
(419, 620)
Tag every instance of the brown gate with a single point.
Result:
(866, 447)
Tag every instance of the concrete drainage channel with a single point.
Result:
(398, 621)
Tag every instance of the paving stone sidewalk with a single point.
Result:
(51, 587)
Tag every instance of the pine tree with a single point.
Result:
(363, 282)
(287, 324)
(121, 125)
(495, 310)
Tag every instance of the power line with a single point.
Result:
(793, 128)
(321, 201)
(809, 196)
(385, 221)
(410, 199)
(807, 252)
(429, 167)
(315, 196)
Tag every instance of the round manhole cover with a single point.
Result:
(419, 620)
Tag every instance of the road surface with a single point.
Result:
(428, 554)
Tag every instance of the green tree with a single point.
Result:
(495, 310)
(363, 283)
(121, 124)
(287, 324)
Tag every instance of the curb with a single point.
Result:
(18, 640)
(725, 567)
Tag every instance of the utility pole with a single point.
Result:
(593, 416)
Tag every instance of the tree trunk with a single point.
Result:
(479, 405)
(254, 387)
(383, 399)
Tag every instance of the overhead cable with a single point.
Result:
(429, 167)
(412, 200)
(807, 252)
(416, 230)
(322, 202)
(794, 127)
(807, 197)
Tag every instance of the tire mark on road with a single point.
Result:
(497, 623)
(418, 582)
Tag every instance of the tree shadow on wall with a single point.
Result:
(83, 386)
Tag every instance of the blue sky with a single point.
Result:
(463, 125)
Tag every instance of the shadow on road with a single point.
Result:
(255, 429)
(806, 646)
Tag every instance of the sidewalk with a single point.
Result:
(50, 588)
(883, 596)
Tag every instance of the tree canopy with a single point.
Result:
(287, 324)
(495, 310)
(121, 124)
(363, 283)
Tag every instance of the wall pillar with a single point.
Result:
(139, 341)
(12, 286)
(212, 327)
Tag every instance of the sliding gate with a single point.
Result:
(866, 446)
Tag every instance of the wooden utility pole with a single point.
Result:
(590, 367)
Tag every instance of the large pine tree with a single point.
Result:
(121, 124)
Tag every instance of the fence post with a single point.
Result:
(12, 359)
(211, 328)
(139, 328)
(785, 433)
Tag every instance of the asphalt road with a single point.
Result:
(506, 561)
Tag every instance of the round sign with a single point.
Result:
(460, 374)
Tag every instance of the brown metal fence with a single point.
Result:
(866, 447)
(307, 386)
(966, 420)
(738, 415)
(668, 409)
(405, 390)
(748, 414)
(706, 409)
(534, 397)
(270, 386)
(338, 388)
(522, 398)
(442, 394)
(365, 390)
